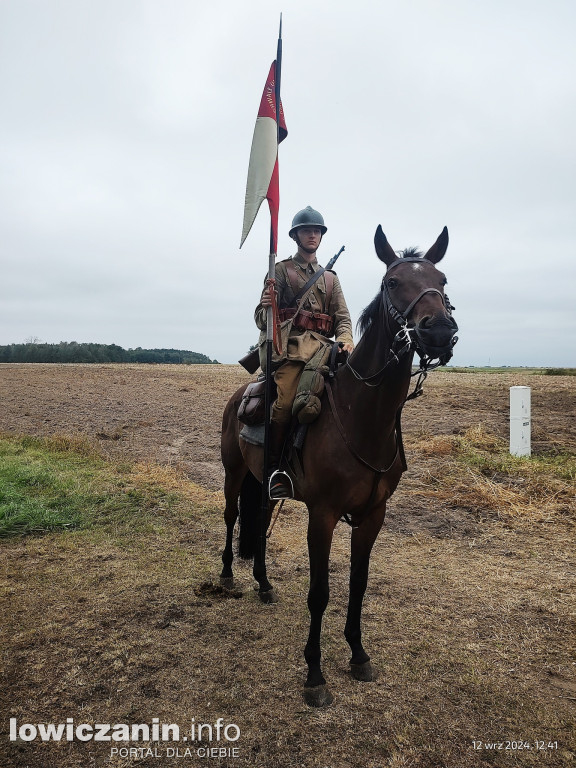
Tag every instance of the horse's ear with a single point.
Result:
(437, 251)
(384, 250)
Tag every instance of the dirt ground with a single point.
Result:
(470, 618)
(172, 414)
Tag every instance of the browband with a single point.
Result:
(403, 260)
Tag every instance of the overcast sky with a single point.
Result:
(124, 144)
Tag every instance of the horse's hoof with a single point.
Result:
(268, 597)
(227, 582)
(318, 696)
(363, 672)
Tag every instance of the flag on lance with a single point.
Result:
(263, 182)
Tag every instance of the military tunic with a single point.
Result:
(301, 345)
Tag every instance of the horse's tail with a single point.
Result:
(249, 507)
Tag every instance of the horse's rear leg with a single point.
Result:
(320, 532)
(255, 513)
(363, 539)
(235, 471)
(243, 486)
(232, 486)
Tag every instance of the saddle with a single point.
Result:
(306, 407)
(252, 407)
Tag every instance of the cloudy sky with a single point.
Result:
(124, 143)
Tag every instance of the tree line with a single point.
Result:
(73, 352)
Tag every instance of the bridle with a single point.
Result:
(406, 339)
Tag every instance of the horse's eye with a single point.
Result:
(392, 283)
(444, 281)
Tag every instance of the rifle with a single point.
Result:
(251, 361)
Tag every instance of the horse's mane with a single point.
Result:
(370, 313)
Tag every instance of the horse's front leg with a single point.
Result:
(320, 532)
(363, 539)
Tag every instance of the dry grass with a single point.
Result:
(477, 474)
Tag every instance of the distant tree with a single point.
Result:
(73, 352)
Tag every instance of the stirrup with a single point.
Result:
(280, 486)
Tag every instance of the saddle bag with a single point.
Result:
(307, 403)
(252, 407)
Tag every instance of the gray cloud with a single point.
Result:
(124, 149)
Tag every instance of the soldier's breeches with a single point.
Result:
(286, 378)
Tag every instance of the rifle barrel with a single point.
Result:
(334, 259)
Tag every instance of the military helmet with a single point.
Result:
(308, 217)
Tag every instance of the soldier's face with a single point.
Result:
(310, 238)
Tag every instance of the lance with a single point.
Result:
(270, 321)
(262, 185)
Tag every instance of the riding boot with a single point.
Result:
(280, 485)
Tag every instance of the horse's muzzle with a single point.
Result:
(436, 339)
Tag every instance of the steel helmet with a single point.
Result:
(308, 217)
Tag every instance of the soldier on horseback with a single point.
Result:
(311, 309)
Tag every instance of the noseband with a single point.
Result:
(406, 338)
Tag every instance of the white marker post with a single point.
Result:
(520, 421)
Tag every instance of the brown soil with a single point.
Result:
(172, 414)
(470, 614)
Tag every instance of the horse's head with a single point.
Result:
(413, 292)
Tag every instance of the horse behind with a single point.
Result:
(352, 458)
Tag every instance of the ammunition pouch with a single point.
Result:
(307, 321)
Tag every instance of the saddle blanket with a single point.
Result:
(253, 435)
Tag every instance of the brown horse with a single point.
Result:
(352, 458)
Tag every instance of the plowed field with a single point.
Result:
(470, 614)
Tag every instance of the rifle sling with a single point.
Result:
(293, 275)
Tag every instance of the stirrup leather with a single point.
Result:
(280, 486)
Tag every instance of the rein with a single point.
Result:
(353, 451)
(379, 472)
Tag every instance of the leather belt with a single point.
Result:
(307, 321)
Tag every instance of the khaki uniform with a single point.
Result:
(299, 346)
